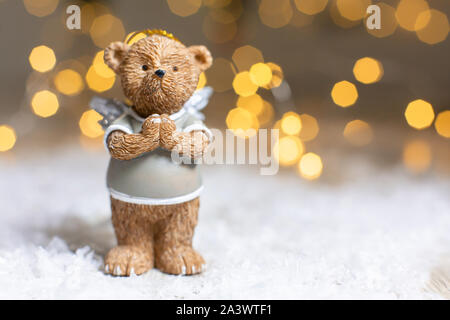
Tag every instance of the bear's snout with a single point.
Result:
(160, 73)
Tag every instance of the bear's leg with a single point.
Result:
(134, 233)
(173, 240)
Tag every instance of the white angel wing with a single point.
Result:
(110, 109)
(198, 101)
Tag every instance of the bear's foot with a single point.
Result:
(127, 260)
(184, 260)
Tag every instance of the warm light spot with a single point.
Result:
(368, 70)
(267, 114)
(436, 27)
(100, 66)
(98, 83)
(338, 19)
(288, 150)
(260, 74)
(275, 13)
(244, 57)
(344, 94)
(277, 75)
(40, 8)
(388, 21)
(219, 32)
(44, 103)
(358, 133)
(240, 120)
(310, 166)
(201, 81)
(7, 138)
(253, 103)
(243, 85)
(310, 127)
(300, 19)
(291, 123)
(89, 125)
(69, 82)
(353, 10)
(311, 7)
(184, 8)
(136, 37)
(417, 156)
(220, 75)
(408, 11)
(42, 59)
(216, 4)
(419, 114)
(106, 29)
(442, 123)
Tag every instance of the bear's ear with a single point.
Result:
(115, 53)
(202, 56)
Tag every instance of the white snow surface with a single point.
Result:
(376, 235)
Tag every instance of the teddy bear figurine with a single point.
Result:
(155, 200)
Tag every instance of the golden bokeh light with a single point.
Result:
(240, 120)
(388, 21)
(42, 59)
(100, 66)
(338, 19)
(261, 74)
(201, 81)
(7, 138)
(409, 10)
(288, 150)
(311, 7)
(442, 124)
(344, 94)
(300, 19)
(89, 125)
(368, 70)
(417, 156)
(358, 133)
(40, 8)
(69, 82)
(291, 124)
(219, 32)
(243, 85)
(419, 114)
(106, 29)
(310, 127)
(244, 57)
(310, 166)
(353, 10)
(216, 4)
(277, 75)
(98, 83)
(436, 27)
(266, 115)
(253, 103)
(44, 103)
(220, 75)
(184, 8)
(275, 13)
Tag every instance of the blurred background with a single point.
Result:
(308, 67)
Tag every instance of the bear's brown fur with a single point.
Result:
(156, 235)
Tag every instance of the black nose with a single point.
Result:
(160, 73)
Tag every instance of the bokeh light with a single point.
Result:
(42, 59)
(100, 66)
(442, 124)
(243, 85)
(89, 125)
(240, 120)
(388, 21)
(310, 127)
(300, 19)
(184, 8)
(277, 75)
(409, 10)
(368, 70)
(69, 82)
(44, 103)
(417, 156)
(106, 29)
(7, 138)
(338, 19)
(260, 74)
(288, 150)
(310, 166)
(291, 124)
(419, 114)
(253, 103)
(436, 26)
(40, 8)
(358, 133)
(311, 7)
(220, 75)
(244, 57)
(344, 94)
(98, 83)
(218, 32)
(266, 116)
(353, 10)
(275, 13)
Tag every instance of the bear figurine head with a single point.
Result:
(158, 73)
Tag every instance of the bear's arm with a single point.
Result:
(192, 144)
(123, 146)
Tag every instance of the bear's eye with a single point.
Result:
(175, 68)
(145, 67)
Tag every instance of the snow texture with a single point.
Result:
(377, 235)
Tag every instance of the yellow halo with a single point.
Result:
(150, 32)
